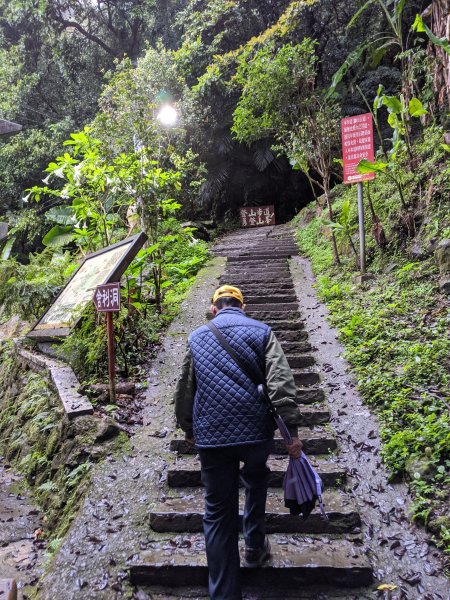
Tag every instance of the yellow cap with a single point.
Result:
(228, 291)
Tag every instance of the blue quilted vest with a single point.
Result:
(227, 410)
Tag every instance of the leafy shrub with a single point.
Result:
(395, 334)
(27, 290)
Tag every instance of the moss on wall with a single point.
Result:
(55, 455)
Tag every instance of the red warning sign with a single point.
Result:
(357, 143)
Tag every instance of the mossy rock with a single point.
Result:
(442, 256)
(421, 465)
(435, 525)
(91, 429)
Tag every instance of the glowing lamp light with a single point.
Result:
(167, 115)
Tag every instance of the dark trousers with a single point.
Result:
(220, 476)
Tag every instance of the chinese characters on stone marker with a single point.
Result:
(257, 216)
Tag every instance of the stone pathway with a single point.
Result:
(139, 531)
(305, 552)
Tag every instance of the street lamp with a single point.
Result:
(167, 115)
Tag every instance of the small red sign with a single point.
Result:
(107, 297)
(357, 143)
(257, 216)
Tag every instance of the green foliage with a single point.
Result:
(395, 334)
(276, 83)
(27, 290)
(421, 27)
(377, 43)
(139, 324)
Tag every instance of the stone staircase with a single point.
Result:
(311, 552)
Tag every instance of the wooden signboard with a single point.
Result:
(257, 216)
(105, 266)
(107, 297)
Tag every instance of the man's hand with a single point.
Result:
(295, 448)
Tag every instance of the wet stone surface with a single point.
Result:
(112, 531)
(21, 552)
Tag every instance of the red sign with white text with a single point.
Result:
(357, 143)
(107, 297)
(257, 216)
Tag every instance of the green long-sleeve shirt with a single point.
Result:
(279, 381)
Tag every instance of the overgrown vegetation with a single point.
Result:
(395, 328)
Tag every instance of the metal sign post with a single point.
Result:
(362, 233)
(107, 299)
(357, 144)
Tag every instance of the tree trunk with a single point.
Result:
(377, 227)
(326, 189)
(440, 26)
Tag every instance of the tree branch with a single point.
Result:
(90, 36)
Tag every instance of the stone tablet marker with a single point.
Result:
(257, 216)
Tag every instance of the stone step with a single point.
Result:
(268, 248)
(279, 325)
(184, 513)
(256, 279)
(317, 414)
(250, 274)
(272, 299)
(251, 289)
(258, 263)
(295, 335)
(269, 316)
(282, 307)
(314, 442)
(305, 377)
(295, 347)
(185, 472)
(309, 395)
(272, 263)
(300, 361)
(274, 252)
(181, 561)
(250, 257)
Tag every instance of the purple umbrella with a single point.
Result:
(302, 485)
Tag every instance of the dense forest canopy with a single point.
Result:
(64, 65)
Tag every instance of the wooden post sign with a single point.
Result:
(257, 216)
(107, 299)
(357, 144)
